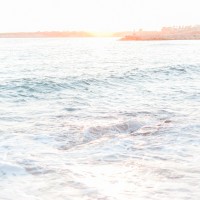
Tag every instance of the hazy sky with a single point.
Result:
(96, 15)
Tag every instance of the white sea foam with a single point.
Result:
(9, 169)
(118, 128)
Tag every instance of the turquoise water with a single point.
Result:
(99, 119)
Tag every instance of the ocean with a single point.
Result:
(98, 118)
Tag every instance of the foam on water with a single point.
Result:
(8, 169)
(98, 131)
(99, 119)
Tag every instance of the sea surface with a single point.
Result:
(99, 119)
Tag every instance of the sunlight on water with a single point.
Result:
(99, 119)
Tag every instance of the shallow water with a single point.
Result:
(99, 119)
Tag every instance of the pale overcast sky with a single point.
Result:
(96, 15)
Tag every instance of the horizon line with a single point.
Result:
(83, 33)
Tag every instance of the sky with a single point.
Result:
(96, 15)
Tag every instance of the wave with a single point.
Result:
(48, 83)
(152, 73)
(127, 127)
(27, 86)
(131, 128)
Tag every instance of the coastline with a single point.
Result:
(166, 33)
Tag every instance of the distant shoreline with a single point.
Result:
(166, 33)
(153, 39)
(53, 34)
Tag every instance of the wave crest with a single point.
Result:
(127, 127)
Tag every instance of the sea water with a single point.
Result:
(99, 119)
